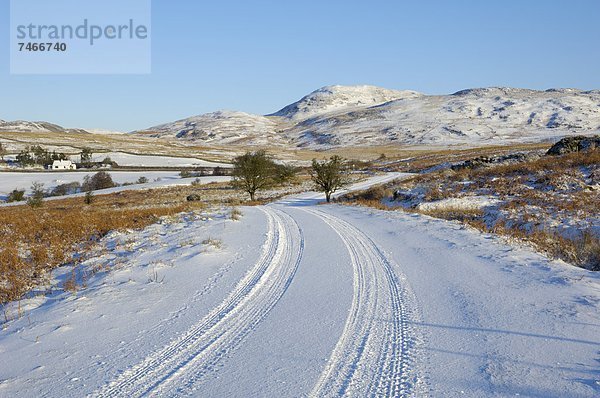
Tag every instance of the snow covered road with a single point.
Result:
(313, 300)
(178, 366)
(373, 355)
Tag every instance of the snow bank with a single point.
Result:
(462, 203)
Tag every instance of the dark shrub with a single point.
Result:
(37, 195)
(88, 199)
(100, 180)
(375, 193)
(17, 195)
(66, 189)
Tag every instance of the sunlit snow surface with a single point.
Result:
(304, 299)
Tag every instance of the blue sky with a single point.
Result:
(259, 56)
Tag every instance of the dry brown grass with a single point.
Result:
(418, 160)
(454, 213)
(236, 214)
(375, 193)
(129, 143)
(564, 184)
(545, 164)
(421, 157)
(70, 284)
(375, 204)
(539, 197)
(582, 250)
(34, 241)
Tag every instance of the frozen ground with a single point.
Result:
(304, 299)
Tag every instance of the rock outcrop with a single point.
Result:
(577, 143)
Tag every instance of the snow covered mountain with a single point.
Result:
(335, 116)
(18, 126)
(477, 116)
(336, 98)
(222, 127)
(367, 115)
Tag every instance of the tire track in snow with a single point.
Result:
(375, 354)
(187, 359)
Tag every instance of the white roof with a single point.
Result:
(62, 163)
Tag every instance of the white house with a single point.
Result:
(63, 165)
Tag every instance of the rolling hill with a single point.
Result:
(337, 116)
(34, 127)
(342, 116)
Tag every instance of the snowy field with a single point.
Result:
(11, 180)
(131, 160)
(303, 299)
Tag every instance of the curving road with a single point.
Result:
(181, 364)
(373, 356)
(335, 301)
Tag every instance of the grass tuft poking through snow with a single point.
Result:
(236, 214)
(212, 242)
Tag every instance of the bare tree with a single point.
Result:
(253, 171)
(329, 175)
